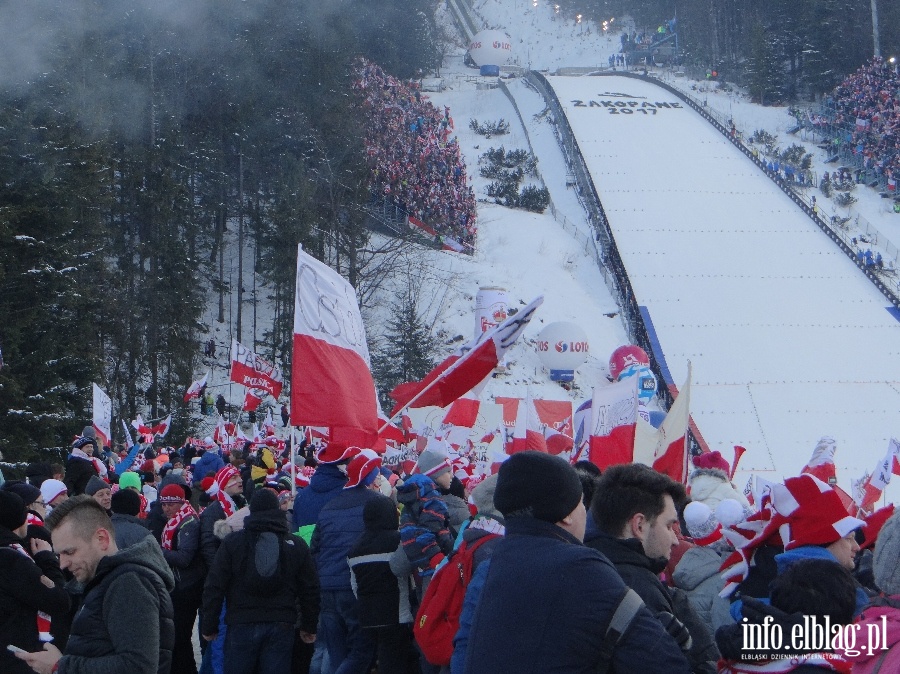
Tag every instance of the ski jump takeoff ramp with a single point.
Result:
(789, 340)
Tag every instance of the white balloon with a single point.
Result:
(562, 346)
(491, 48)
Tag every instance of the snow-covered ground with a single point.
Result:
(789, 341)
(738, 280)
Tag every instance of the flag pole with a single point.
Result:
(293, 466)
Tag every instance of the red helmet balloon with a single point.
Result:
(624, 357)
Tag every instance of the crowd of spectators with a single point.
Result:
(863, 113)
(413, 160)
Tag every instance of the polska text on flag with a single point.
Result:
(251, 371)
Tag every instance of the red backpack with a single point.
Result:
(438, 618)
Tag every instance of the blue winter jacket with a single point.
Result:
(326, 483)
(548, 600)
(339, 527)
(210, 462)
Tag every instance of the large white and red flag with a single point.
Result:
(249, 369)
(872, 489)
(331, 383)
(665, 448)
(613, 418)
(460, 372)
(102, 417)
(821, 463)
(193, 391)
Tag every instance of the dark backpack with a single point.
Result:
(437, 620)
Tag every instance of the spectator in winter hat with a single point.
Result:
(340, 525)
(129, 529)
(326, 482)
(53, 493)
(100, 492)
(710, 483)
(180, 542)
(540, 498)
(263, 575)
(31, 581)
(228, 490)
(130, 480)
(79, 466)
(697, 572)
(636, 519)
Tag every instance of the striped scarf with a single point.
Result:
(224, 475)
(168, 535)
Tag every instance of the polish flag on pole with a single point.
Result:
(665, 448)
(331, 383)
(821, 464)
(879, 479)
(463, 370)
(193, 390)
(528, 432)
(613, 419)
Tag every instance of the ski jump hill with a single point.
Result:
(788, 339)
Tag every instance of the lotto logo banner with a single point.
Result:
(253, 372)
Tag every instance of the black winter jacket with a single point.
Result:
(185, 559)
(129, 530)
(641, 574)
(125, 624)
(22, 595)
(78, 473)
(251, 598)
(545, 606)
(383, 597)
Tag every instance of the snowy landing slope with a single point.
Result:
(789, 341)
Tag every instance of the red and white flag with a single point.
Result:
(102, 417)
(160, 429)
(253, 372)
(821, 463)
(467, 367)
(331, 383)
(613, 420)
(193, 390)
(253, 399)
(665, 448)
(528, 433)
(873, 488)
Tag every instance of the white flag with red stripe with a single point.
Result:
(821, 463)
(613, 420)
(874, 486)
(250, 370)
(193, 391)
(331, 383)
(460, 372)
(665, 448)
(528, 433)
